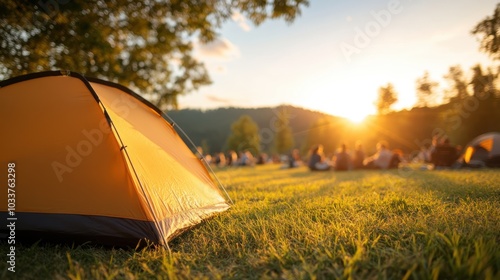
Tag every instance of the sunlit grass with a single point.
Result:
(295, 224)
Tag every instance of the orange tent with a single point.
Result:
(484, 150)
(95, 161)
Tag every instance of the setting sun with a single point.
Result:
(348, 107)
(336, 95)
(356, 119)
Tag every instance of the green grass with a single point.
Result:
(294, 224)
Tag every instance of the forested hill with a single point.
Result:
(212, 127)
(408, 130)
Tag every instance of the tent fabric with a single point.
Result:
(484, 149)
(94, 159)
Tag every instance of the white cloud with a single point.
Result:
(217, 99)
(218, 48)
(241, 20)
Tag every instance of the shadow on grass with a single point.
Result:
(340, 176)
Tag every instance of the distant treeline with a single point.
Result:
(212, 128)
(408, 130)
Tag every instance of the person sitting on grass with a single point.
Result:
(358, 157)
(342, 159)
(317, 160)
(246, 159)
(219, 159)
(231, 158)
(444, 155)
(397, 158)
(381, 159)
(294, 159)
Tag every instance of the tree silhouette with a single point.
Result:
(483, 84)
(458, 85)
(387, 96)
(426, 94)
(482, 111)
(488, 31)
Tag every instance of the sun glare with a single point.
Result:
(356, 118)
(356, 112)
(350, 99)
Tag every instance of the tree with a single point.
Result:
(387, 96)
(481, 112)
(244, 136)
(458, 85)
(426, 94)
(483, 84)
(146, 45)
(489, 32)
(283, 140)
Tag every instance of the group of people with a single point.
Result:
(232, 158)
(343, 159)
(440, 154)
(244, 158)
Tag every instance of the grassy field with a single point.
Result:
(294, 224)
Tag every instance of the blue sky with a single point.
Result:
(335, 56)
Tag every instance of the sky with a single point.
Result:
(336, 55)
